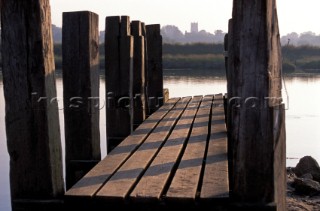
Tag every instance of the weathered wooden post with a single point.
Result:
(258, 125)
(32, 121)
(154, 70)
(228, 103)
(119, 62)
(144, 34)
(137, 79)
(225, 45)
(227, 73)
(80, 39)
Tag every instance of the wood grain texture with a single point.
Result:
(154, 69)
(112, 73)
(231, 101)
(91, 183)
(280, 172)
(32, 121)
(184, 185)
(215, 182)
(256, 69)
(119, 64)
(138, 76)
(154, 181)
(121, 183)
(80, 39)
(144, 34)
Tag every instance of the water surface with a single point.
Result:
(302, 115)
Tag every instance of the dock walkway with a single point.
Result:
(178, 156)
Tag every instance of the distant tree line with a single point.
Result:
(211, 56)
(172, 34)
(303, 39)
(194, 48)
(301, 52)
(301, 58)
(194, 56)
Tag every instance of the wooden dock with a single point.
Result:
(181, 156)
(178, 156)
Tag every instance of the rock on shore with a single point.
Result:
(303, 187)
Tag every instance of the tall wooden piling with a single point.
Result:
(257, 115)
(32, 121)
(154, 69)
(144, 34)
(119, 64)
(228, 103)
(80, 43)
(137, 79)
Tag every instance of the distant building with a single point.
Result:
(172, 34)
(194, 27)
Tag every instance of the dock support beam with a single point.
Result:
(137, 79)
(255, 104)
(32, 121)
(80, 39)
(154, 68)
(119, 64)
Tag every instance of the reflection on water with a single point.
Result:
(302, 117)
(190, 82)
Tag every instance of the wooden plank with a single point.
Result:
(121, 183)
(80, 39)
(153, 182)
(215, 180)
(154, 70)
(32, 120)
(95, 178)
(184, 185)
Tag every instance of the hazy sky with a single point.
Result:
(294, 15)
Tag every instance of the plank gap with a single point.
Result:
(205, 152)
(184, 184)
(158, 150)
(138, 146)
(176, 165)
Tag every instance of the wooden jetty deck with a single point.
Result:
(178, 156)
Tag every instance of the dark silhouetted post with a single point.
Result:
(80, 39)
(119, 62)
(144, 34)
(258, 126)
(32, 121)
(228, 106)
(137, 76)
(154, 70)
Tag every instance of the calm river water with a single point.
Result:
(302, 100)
